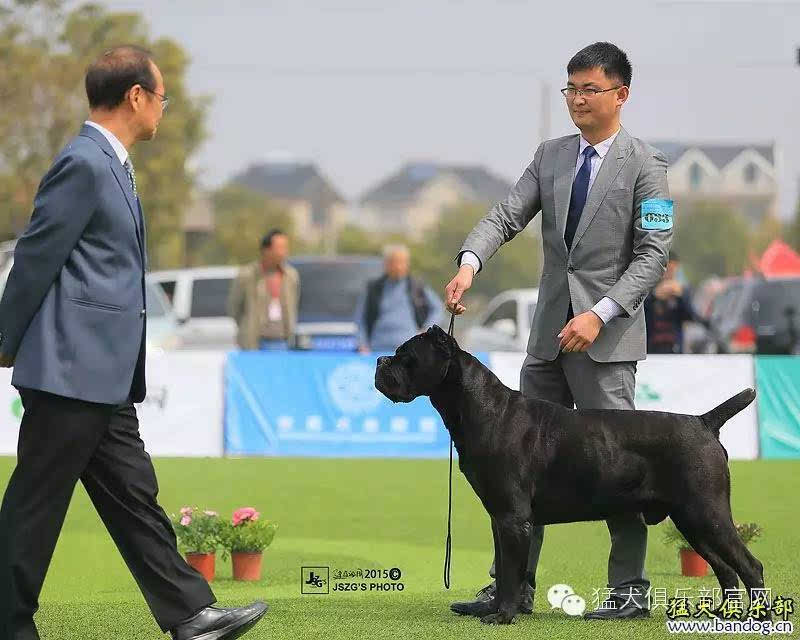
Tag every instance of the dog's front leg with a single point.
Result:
(512, 541)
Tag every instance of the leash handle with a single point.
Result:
(449, 541)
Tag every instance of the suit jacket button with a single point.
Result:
(570, 269)
(142, 313)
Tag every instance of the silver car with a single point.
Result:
(505, 324)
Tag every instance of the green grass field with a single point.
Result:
(349, 514)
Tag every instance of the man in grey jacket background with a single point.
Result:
(606, 230)
(72, 324)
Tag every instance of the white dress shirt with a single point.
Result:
(606, 308)
(116, 145)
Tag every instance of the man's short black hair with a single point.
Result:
(609, 57)
(266, 241)
(110, 76)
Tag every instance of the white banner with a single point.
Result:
(691, 384)
(181, 416)
(10, 414)
(182, 413)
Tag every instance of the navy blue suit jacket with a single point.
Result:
(73, 309)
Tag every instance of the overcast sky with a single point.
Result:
(360, 87)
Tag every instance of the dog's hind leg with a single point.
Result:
(726, 576)
(513, 539)
(714, 532)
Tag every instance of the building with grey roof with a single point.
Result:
(742, 177)
(411, 200)
(316, 207)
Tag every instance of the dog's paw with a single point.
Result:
(498, 618)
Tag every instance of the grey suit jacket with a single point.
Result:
(612, 254)
(73, 310)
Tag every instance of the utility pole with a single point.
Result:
(544, 113)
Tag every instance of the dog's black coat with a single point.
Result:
(536, 462)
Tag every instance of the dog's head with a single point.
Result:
(418, 366)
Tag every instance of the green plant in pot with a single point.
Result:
(692, 563)
(245, 538)
(199, 534)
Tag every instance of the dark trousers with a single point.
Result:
(574, 379)
(61, 441)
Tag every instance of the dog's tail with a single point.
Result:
(718, 416)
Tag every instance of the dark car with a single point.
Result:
(329, 290)
(757, 315)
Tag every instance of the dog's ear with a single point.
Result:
(441, 339)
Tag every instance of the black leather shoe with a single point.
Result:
(617, 611)
(485, 602)
(213, 623)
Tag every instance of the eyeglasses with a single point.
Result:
(571, 92)
(164, 99)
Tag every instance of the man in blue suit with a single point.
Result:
(72, 324)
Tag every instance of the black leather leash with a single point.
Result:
(448, 542)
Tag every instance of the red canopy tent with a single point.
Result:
(779, 259)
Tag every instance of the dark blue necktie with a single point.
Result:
(580, 189)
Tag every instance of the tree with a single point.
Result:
(516, 264)
(241, 218)
(791, 230)
(712, 240)
(45, 51)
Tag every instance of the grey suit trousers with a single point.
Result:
(574, 379)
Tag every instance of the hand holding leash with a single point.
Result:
(457, 287)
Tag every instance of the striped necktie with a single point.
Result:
(131, 176)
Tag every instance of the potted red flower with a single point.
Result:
(246, 537)
(199, 536)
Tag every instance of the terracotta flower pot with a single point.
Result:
(246, 566)
(204, 563)
(693, 564)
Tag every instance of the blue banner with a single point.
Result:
(325, 405)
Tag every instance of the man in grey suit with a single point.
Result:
(606, 231)
(72, 324)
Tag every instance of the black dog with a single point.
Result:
(533, 462)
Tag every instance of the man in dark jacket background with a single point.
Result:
(396, 306)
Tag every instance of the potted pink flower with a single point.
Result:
(246, 537)
(199, 534)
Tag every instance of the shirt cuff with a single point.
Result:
(471, 259)
(607, 309)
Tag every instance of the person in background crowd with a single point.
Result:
(395, 306)
(264, 298)
(666, 308)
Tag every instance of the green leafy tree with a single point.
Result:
(241, 218)
(791, 230)
(516, 263)
(712, 240)
(45, 50)
(354, 240)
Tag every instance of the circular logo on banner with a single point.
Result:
(352, 388)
